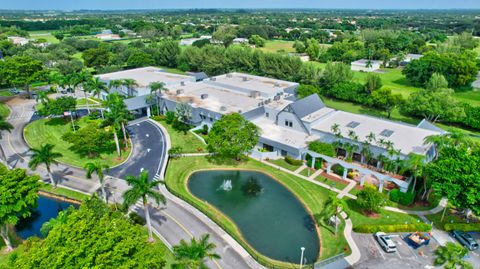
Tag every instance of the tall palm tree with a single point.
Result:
(55, 78)
(142, 188)
(44, 155)
(115, 83)
(112, 119)
(4, 126)
(130, 84)
(85, 78)
(451, 255)
(192, 255)
(156, 88)
(415, 164)
(97, 87)
(333, 206)
(99, 169)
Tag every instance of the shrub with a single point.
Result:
(338, 169)
(158, 118)
(465, 227)
(292, 161)
(393, 228)
(322, 148)
(406, 198)
(170, 117)
(318, 162)
(137, 219)
(370, 199)
(205, 129)
(395, 195)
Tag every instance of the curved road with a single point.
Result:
(172, 222)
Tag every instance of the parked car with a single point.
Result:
(385, 241)
(14, 91)
(465, 239)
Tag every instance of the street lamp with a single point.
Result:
(301, 257)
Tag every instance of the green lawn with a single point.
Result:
(173, 70)
(4, 110)
(50, 131)
(91, 101)
(64, 192)
(448, 218)
(312, 195)
(278, 46)
(44, 35)
(187, 141)
(5, 92)
(284, 164)
(336, 184)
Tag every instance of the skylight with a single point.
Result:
(386, 133)
(353, 124)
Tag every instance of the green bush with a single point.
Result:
(465, 227)
(395, 195)
(318, 162)
(137, 219)
(322, 148)
(407, 198)
(292, 161)
(158, 118)
(394, 228)
(338, 169)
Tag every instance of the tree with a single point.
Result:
(113, 117)
(156, 88)
(313, 49)
(21, 71)
(451, 255)
(257, 40)
(98, 237)
(437, 81)
(184, 112)
(142, 188)
(139, 59)
(99, 169)
(415, 164)
(192, 255)
(225, 34)
(299, 46)
(454, 175)
(61, 218)
(19, 195)
(4, 126)
(96, 86)
(333, 206)
(90, 140)
(96, 57)
(118, 109)
(334, 74)
(370, 199)
(166, 53)
(58, 106)
(42, 96)
(373, 83)
(385, 100)
(232, 136)
(130, 84)
(44, 155)
(85, 80)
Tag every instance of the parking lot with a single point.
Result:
(405, 257)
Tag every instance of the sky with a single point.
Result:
(187, 4)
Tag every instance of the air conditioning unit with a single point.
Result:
(245, 79)
(229, 75)
(213, 79)
(180, 91)
(223, 108)
(204, 96)
(182, 83)
(277, 84)
(254, 94)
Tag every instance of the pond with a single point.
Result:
(271, 219)
(47, 209)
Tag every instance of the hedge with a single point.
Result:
(465, 227)
(292, 161)
(402, 198)
(395, 228)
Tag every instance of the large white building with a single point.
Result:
(287, 124)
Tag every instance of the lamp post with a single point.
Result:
(301, 257)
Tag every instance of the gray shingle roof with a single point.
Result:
(307, 105)
(136, 102)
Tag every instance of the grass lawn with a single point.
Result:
(307, 172)
(91, 101)
(284, 164)
(278, 46)
(188, 142)
(336, 184)
(64, 192)
(44, 35)
(50, 131)
(5, 92)
(313, 196)
(173, 70)
(449, 218)
(4, 110)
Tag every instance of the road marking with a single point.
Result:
(141, 169)
(148, 150)
(147, 135)
(378, 248)
(138, 124)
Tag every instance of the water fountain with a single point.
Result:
(226, 185)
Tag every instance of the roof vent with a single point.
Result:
(245, 79)
(353, 124)
(277, 84)
(240, 111)
(204, 96)
(229, 75)
(254, 94)
(276, 98)
(260, 104)
(223, 108)
(180, 91)
(386, 133)
(182, 83)
(213, 79)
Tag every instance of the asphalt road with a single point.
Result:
(174, 221)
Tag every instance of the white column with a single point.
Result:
(329, 168)
(345, 172)
(149, 113)
(380, 185)
(313, 163)
(362, 180)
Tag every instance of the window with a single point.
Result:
(288, 123)
(267, 114)
(353, 124)
(386, 133)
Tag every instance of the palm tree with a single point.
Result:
(99, 169)
(370, 138)
(97, 87)
(44, 155)
(184, 112)
(85, 79)
(42, 96)
(192, 255)
(130, 84)
(142, 188)
(117, 116)
(415, 164)
(4, 126)
(333, 206)
(157, 88)
(451, 255)
(55, 78)
(116, 83)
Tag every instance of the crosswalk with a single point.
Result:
(15, 116)
(156, 177)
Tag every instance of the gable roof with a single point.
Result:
(136, 102)
(307, 105)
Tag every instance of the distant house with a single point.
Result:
(476, 83)
(240, 40)
(409, 58)
(18, 40)
(190, 41)
(365, 65)
(108, 36)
